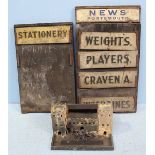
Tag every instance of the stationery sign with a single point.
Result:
(44, 34)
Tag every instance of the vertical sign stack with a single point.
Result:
(108, 48)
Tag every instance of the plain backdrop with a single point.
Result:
(49, 11)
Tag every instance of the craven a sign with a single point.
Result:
(108, 79)
(44, 34)
(108, 41)
(108, 14)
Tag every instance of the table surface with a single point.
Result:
(31, 134)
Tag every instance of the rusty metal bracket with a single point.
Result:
(82, 127)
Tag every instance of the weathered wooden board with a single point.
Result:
(107, 59)
(125, 102)
(107, 14)
(45, 68)
(95, 29)
(108, 41)
(107, 79)
(44, 34)
(123, 99)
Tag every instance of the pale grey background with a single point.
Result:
(48, 11)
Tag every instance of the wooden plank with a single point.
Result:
(108, 14)
(108, 40)
(43, 34)
(45, 73)
(108, 28)
(120, 104)
(107, 79)
(107, 59)
(123, 99)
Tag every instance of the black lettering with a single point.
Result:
(54, 33)
(25, 34)
(89, 40)
(92, 12)
(117, 79)
(125, 104)
(112, 12)
(89, 58)
(111, 79)
(85, 80)
(113, 58)
(99, 80)
(106, 58)
(104, 79)
(107, 41)
(120, 41)
(43, 34)
(34, 34)
(122, 12)
(92, 79)
(126, 79)
(116, 104)
(48, 33)
(30, 35)
(120, 57)
(101, 59)
(113, 40)
(126, 57)
(96, 40)
(20, 35)
(126, 40)
(59, 33)
(65, 33)
(102, 12)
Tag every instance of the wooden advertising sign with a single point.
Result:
(108, 41)
(108, 50)
(110, 79)
(123, 99)
(45, 65)
(106, 14)
(107, 59)
(82, 127)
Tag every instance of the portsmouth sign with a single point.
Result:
(108, 14)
